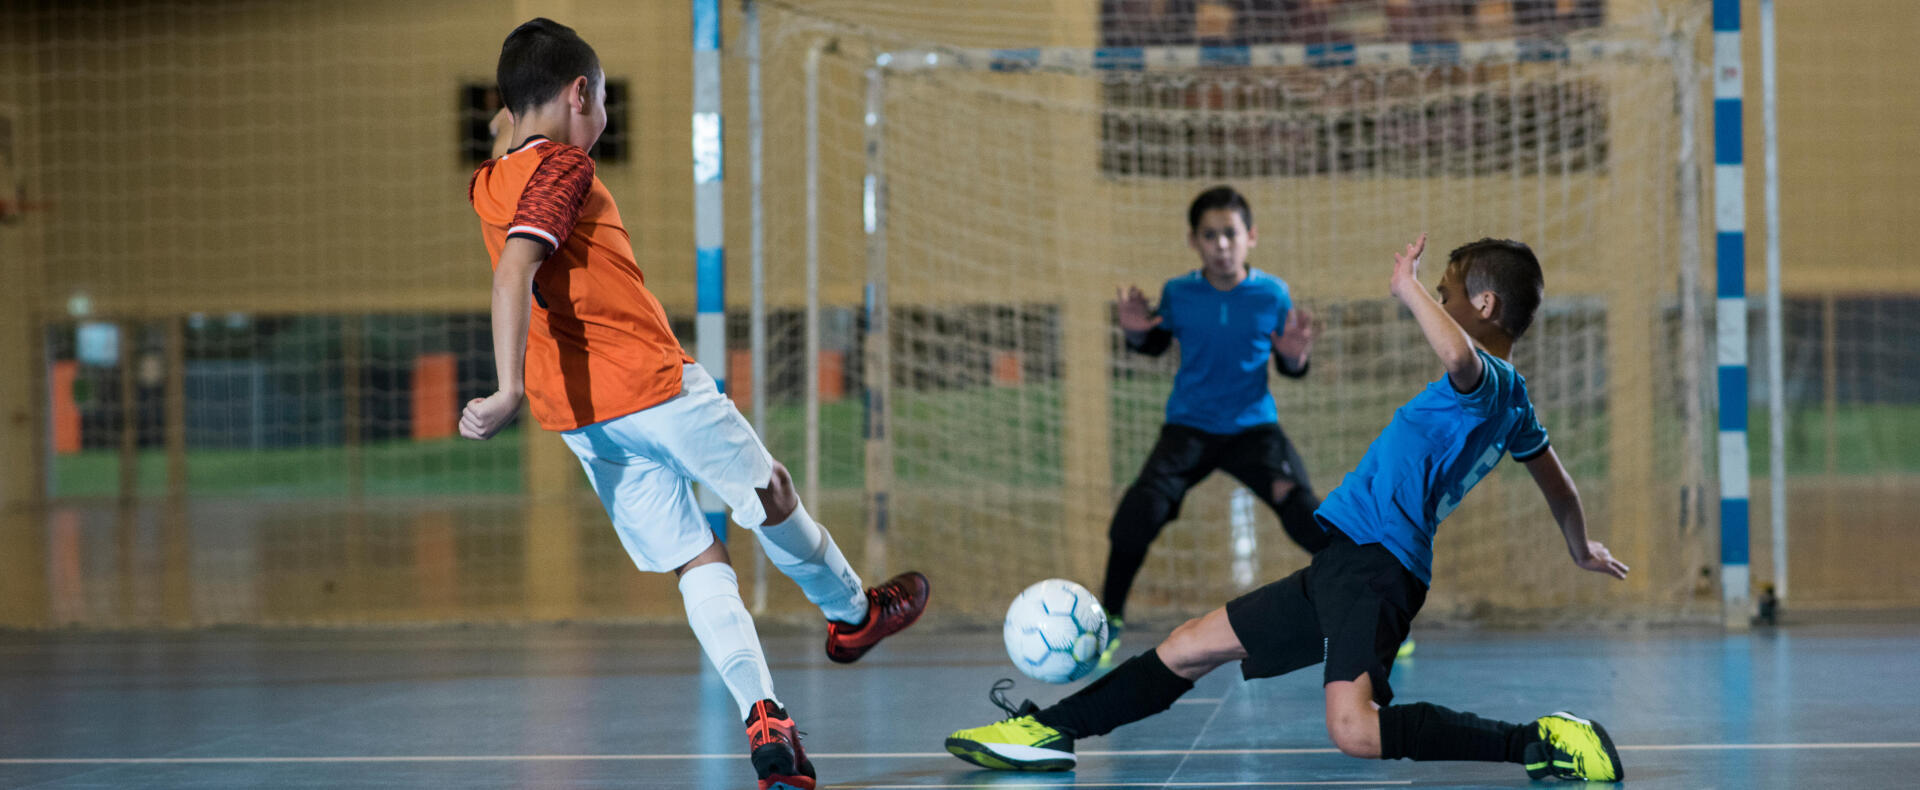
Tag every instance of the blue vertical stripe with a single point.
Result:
(706, 25)
(1726, 16)
(1733, 532)
(1731, 264)
(1731, 267)
(1733, 400)
(1726, 132)
(710, 279)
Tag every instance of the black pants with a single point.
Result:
(1258, 457)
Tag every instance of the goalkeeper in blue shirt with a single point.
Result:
(1350, 608)
(1230, 320)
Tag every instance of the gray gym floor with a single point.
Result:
(578, 707)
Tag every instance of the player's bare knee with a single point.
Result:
(715, 552)
(1194, 648)
(778, 498)
(1355, 729)
(1348, 731)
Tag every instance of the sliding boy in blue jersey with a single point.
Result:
(1351, 607)
(1230, 319)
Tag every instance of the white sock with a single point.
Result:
(807, 555)
(725, 630)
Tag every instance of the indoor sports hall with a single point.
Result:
(248, 538)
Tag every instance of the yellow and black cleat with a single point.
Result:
(1571, 747)
(1018, 743)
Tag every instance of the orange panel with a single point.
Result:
(66, 413)
(740, 378)
(436, 397)
(833, 376)
(1007, 371)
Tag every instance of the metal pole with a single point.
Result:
(878, 349)
(1692, 339)
(757, 342)
(813, 271)
(1730, 222)
(709, 211)
(1776, 385)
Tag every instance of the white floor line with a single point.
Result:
(502, 758)
(1207, 725)
(998, 785)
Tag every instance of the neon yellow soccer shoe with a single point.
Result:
(1016, 743)
(1114, 627)
(1571, 747)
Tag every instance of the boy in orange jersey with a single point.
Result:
(601, 366)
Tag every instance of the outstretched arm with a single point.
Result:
(1141, 326)
(1293, 344)
(512, 304)
(1564, 500)
(1455, 348)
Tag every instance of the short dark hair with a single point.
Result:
(1508, 269)
(1216, 198)
(538, 60)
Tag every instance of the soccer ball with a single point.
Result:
(1055, 631)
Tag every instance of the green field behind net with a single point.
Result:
(1866, 439)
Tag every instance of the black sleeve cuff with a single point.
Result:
(543, 241)
(1280, 367)
(1157, 342)
(1535, 454)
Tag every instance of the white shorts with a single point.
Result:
(643, 466)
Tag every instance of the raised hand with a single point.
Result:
(1135, 315)
(1599, 560)
(1406, 270)
(1294, 341)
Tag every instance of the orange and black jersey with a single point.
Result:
(598, 345)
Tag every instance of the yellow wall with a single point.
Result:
(20, 425)
(1849, 102)
(301, 156)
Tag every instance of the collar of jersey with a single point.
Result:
(531, 142)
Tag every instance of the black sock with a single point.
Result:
(1429, 732)
(1139, 688)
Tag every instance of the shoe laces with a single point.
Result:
(890, 599)
(998, 694)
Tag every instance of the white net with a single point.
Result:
(1014, 189)
(247, 301)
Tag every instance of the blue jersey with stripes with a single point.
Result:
(1224, 347)
(1436, 448)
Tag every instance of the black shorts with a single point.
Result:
(1258, 457)
(1350, 607)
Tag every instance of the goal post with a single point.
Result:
(991, 199)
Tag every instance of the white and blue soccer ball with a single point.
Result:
(1055, 631)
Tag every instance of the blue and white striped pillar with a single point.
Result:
(1730, 222)
(709, 221)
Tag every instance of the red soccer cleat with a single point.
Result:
(777, 755)
(891, 607)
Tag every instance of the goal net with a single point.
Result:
(983, 181)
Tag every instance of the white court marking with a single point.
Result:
(500, 758)
(997, 785)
